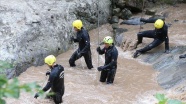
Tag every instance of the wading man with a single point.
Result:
(108, 71)
(82, 37)
(55, 81)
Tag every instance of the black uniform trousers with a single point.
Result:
(149, 34)
(108, 75)
(87, 57)
(58, 96)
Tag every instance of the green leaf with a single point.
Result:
(174, 102)
(2, 101)
(14, 93)
(29, 87)
(161, 98)
(12, 89)
(3, 81)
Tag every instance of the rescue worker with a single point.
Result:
(108, 71)
(82, 37)
(55, 81)
(159, 34)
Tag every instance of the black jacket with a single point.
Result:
(161, 34)
(111, 55)
(82, 37)
(56, 79)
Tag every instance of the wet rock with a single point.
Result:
(118, 36)
(132, 21)
(171, 68)
(166, 14)
(121, 3)
(176, 20)
(135, 6)
(157, 17)
(115, 26)
(129, 44)
(116, 11)
(125, 14)
(114, 19)
(150, 12)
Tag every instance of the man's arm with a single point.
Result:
(100, 51)
(86, 39)
(166, 38)
(49, 84)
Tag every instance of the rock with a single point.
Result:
(114, 19)
(132, 21)
(115, 26)
(134, 6)
(125, 14)
(120, 30)
(171, 68)
(150, 12)
(176, 20)
(129, 44)
(116, 11)
(121, 3)
(118, 35)
(34, 29)
(157, 17)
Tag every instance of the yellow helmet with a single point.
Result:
(50, 60)
(108, 39)
(158, 24)
(78, 24)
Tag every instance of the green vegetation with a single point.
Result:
(5, 65)
(163, 100)
(12, 89)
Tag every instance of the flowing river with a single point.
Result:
(82, 86)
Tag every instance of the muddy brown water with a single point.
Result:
(82, 85)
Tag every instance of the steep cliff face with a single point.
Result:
(32, 29)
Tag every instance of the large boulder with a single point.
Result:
(125, 14)
(32, 29)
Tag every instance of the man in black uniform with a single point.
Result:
(108, 71)
(82, 37)
(159, 35)
(55, 81)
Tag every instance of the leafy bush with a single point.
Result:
(162, 100)
(12, 89)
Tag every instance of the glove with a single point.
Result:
(136, 54)
(36, 95)
(101, 68)
(98, 49)
(72, 38)
(47, 73)
(167, 51)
